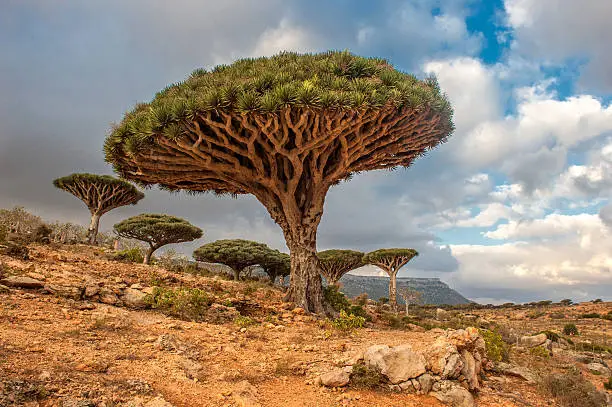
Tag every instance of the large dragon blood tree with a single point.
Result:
(336, 263)
(285, 129)
(101, 194)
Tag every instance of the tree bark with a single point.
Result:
(148, 254)
(393, 290)
(236, 274)
(92, 232)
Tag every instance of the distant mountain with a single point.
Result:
(434, 291)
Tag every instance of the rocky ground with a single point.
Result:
(75, 331)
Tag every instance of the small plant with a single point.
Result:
(348, 322)
(571, 390)
(335, 298)
(608, 384)
(133, 255)
(540, 352)
(553, 336)
(497, 349)
(590, 315)
(244, 321)
(570, 329)
(365, 377)
(185, 303)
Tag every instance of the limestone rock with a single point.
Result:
(442, 315)
(91, 289)
(599, 368)
(66, 291)
(337, 377)
(517, 371)
(426, 381)
(158, 402)
(374, 355)
(453, 394)
(245, 394)
(107, 296)
(469, 370)
(4, 289)
(402, 363)
(438, 354)
(133, 298)
(22, 282)
(533, 341)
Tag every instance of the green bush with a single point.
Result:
(540, 352)
(570, 329)
(572, 390)
(553, 336)
(244, 321)
(497, 349)
(348, 322)
(608, 384)
(608, 316)
(133, 255)
(3, 233)
(365, 377)
(184, 303)
(591, 315)
(336, 299)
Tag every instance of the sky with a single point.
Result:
(515, 207)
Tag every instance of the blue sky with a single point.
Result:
(515, 207)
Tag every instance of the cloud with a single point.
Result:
(556, 31)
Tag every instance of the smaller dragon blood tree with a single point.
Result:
(336, 263)
(276, 264)
(101, 194)
(235, 253)
(157, 231)
(391, 261)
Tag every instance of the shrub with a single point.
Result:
(535, 314)
(335, 298)
(608, 384)
(365, 377)
(383, 300)
(557, 315)
(497, 349)
(361, 299)
(608, 316)
(570, 329)
(540, 352)
(590, 315)
(553, 336)
(597, 301)
(133, 255)
(571, 390)
(184, 303)
(347, 322)
(244, 321)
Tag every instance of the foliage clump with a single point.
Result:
(185, 303)
(339, 302)
(336, 263)
(571, 390)
(497, 350)
(133, 255)
(570, 329)
(347, 322)
(157, 230)
(244, 321)
(364, 376)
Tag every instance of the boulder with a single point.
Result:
(373, 356)
(337, 377)
(426, 381)
(66, 291)
(107, 296)
(133, 298)
(22, 282)
(407, 387)
(91, 289)
(533, 340)
(453, 394)
(442, 315)
(402, 363)
(4, 289)
(598, 368)
(438, 354)
(517, 371)
(469, 370)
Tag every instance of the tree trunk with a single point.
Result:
(272, 277)
(393, 290)
(236, 274)
(148, 254)
(305, 288)
(92, 232)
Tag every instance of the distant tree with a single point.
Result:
(336, 263)
(276, 264)
(566, 302)
(235, 253)
(19, 221)
(101, 194)
(157, 230)
(391, 261)
(285, 129)
(410, 296)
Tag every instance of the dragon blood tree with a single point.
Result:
(336, 263)
(101, 194)
(285, 129)
(235, 253)
(276, 264)
(391, 261)
(157, 231)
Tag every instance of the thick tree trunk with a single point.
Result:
(236, 274)
(305, 288)
(393, 290)
(92, 232)
(148, 255)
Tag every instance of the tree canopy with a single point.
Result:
(276, 264)
(336, 263)
(285, 129)
(391, 261)
(235, 253)
(157, 230)
(101, 193)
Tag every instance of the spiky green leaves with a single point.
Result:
(329, 80)
(157, 229)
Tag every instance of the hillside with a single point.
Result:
(76, 330)
(434, 291)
